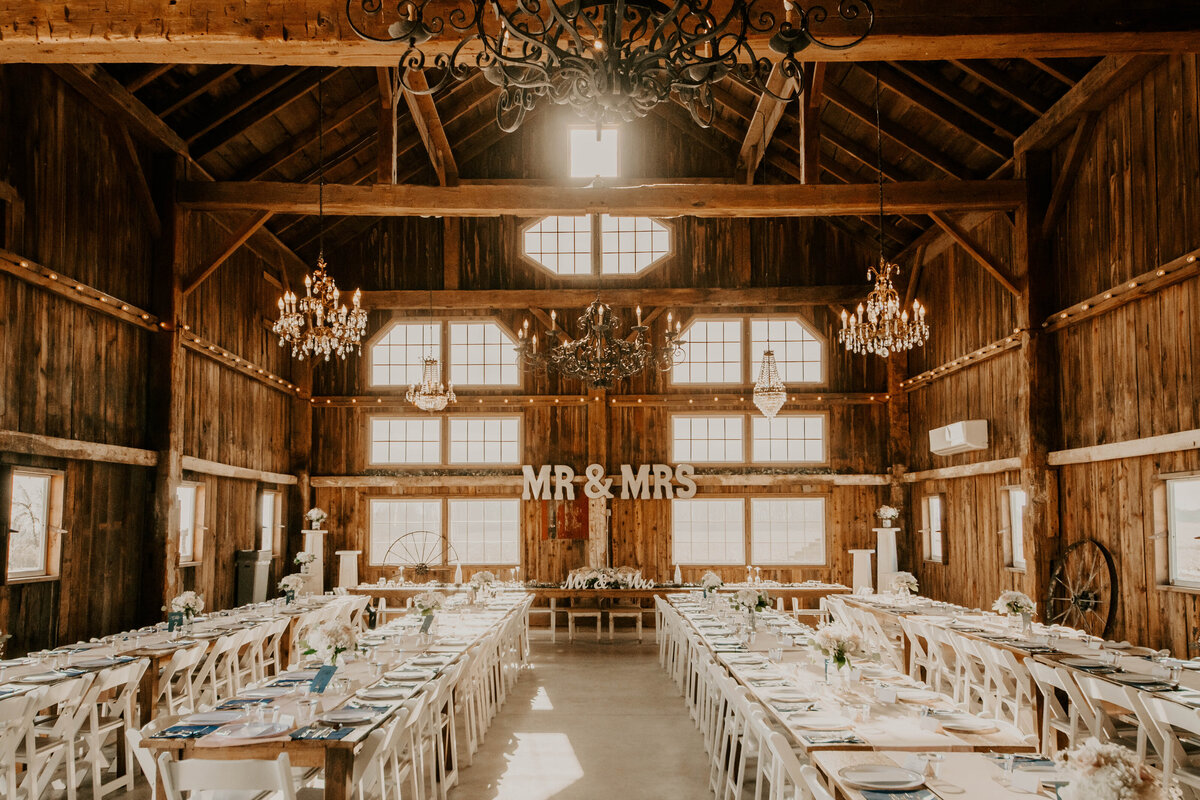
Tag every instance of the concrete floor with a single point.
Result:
(590, 721)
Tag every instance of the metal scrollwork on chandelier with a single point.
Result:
(600, 357)
(611, 60)
(882, 327)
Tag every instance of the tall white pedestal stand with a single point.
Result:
(862, 569)
(886, 563)
(314, 542)
(347, 568)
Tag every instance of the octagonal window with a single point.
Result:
(597, 244)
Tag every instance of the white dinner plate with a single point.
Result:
(298, 675)
(429, 661)
(42, 677)
(96, 663)
(1117, 645)
(267, 691)
(789, 696)
(214, 718)
(409, 675)
(347, 716)
(819, 722)
(1082, 663)
(16, 662)
(159, 646)
(1136, 680)
(916, 695)
(253, 730)
(747, 660)
(384, 693)
(969, 725)
(452, 643)
(882, 777)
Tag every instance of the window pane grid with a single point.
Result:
(482, 354)
(630, 244)
(798, 353)
(933, 523)
(1183, 525)
(187, 496)
(396, 357)
(485, 440)
(399, 440)
(392, 522)
(29, 518)
(707, 439)
(708, 531)
(561, 244)
(712, 352)
(1016, 526)
(787, 530)
(791, 438)
(485, 531)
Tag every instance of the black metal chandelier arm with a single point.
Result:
(847, 10)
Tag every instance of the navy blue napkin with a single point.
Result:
(911, 794)
(185, 732)
(337, 733)
(244, 702)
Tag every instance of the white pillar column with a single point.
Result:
(886, 562)
(348, 568)
(862, 569)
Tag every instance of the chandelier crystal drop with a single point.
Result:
(769, 392)
(431, 394)
(882, 327)
(600, 357)
(319, 324)
(611, 60)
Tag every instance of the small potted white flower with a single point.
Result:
(711, 582)
(1016, 605)
(329, 640)
(905, 583)
(427, 603)
(305, 560)
(750, 601)
(190, 605)
(839, 644)
(316, 518)
(291, 586)
(887, 515)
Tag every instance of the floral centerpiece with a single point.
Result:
(839, 643)
(329, 640)
(1109, 772)
(1013, 602)
(304, 559)
(751, 600)
(905, 582)
(291, 586)
(316, 518)
(482, 578)
(429, 602)
(711, 582)
(189, 604)
(887, 515)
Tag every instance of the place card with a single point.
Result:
(886, 694)
(930, 724)
(322, 679)
(174, 621)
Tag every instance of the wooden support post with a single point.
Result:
(1036, 384)
(451, 252)
(899, 455)
(810, 125)
(166, 417)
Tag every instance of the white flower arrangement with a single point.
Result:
(316, 516)
(1109, 772)
(329, 640)
(429, 602)
(838, 642)
(1014, 603)
(751, 600)
(482, 578)
(292, 584)
(711, 581)
(304, 558)
(189, 604)
(887, 512)
(905, 580)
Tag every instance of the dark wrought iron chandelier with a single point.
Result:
(611, 60)
(600, 357)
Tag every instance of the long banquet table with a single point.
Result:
(456, 634)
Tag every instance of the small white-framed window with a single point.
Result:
(191, 521)
(562, 245)
(395, 357)
(485, 531)
(1014, 499)
(788, 439)
(799, 354)
(34, 523)
(699, 439)
(1183, 531)
(708, 531)
(485, 439)
(630, 244)
(270, 507)
(482, 354)
(405, 440)
(405, 532)
(933, 532)
(787, 530)
(712, 353)
(594, 151)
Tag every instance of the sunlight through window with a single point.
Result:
(593, 152)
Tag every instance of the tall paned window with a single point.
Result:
(34, 517)
(933, 532)
(707, 439)
(798, 353)
(787, 530)
(712, 353)
(1014, 499)
(191, 521)
(395, 358)
(485, 531)
(708, 531)
(270, 506)
(1183, 531)
(594, 151)
(405, 532)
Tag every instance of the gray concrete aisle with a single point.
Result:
(590, 722)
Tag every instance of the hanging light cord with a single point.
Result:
(321, 164)
(879, 157)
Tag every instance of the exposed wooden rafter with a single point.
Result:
(974, 249)
(767, 112)
(235, 241)
(429, 125)
(618, 298)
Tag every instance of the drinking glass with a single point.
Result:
(933, 764)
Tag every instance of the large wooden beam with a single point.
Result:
(1096, 90)
(976, 250)
(1133, 448)
(429, 126)
(107, 94)
(206, 467)
(720, 200)
(1076, 150)
(767, 112)
(317, 32)
(53, 447)
(618, 298)
(236, 240)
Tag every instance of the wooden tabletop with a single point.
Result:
(961, 776)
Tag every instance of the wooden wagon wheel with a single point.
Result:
(1083, 588)
(420, 551)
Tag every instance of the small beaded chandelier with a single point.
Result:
(769, 392)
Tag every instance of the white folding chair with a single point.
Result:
(176, 682)
(16, 731)
(1115, 718)
(55, 735)
(111, 718)
(1056, 719)
(1170, 718)
(195, 775)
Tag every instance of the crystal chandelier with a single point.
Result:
(769, 392)
(430, 394)
(611, 60)
(600, 357)
(882, 326)
(316, 325)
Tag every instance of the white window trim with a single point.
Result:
(927, 531)
(823, 415)
(198, 527)
(1172, 579)
(750, 365)
(1007, 531)
(595, 275)
(745, 532)
(520, 419)
(370, 442)
(748, 439)
(824, 562)
(52, 546)
(442, 351)
(725, 462)
(744, 348)
(444, 534)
